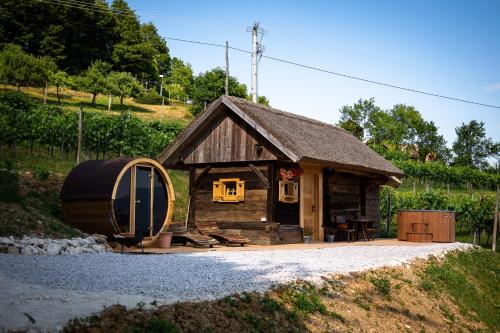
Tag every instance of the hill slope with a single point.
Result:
(72, 99)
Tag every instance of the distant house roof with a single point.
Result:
(299, 138)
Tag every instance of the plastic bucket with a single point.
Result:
(165, 239)
(330, 238)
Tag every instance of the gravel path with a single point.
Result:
(39, 285)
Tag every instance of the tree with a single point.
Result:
(42, 69)
(161, 58)
(59, 79)
(175, 90)
(123, 84)
(15, 66)
(263, 100)
(472, 148)
(209, 86)
(131, 53)
(182, 75)
(431, 143)
(94, 79)
(74, 36)
(355, 118)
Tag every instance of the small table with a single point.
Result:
(362, 222)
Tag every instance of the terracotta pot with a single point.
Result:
(165, 239)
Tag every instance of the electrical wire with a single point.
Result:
(101, 8)
(348, 76)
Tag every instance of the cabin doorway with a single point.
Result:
(311, 205)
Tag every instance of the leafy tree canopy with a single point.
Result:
(182, 75)
(94, 79)
(400, 129)
(123, 84)
(209, 86)
(472, 147)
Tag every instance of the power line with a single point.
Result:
(106, 9)
(348, 76)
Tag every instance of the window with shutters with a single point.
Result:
(288, 191)
(228, 190)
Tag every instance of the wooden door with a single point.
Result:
(143, 200)
(310, 204)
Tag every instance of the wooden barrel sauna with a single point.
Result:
(426, 225)
(119, 196)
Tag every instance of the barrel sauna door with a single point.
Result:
(149, 202)
(142, 216)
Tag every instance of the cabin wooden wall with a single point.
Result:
(373, 205)
(251, 210)
(350, 194)
(344, 194)
(228, 140)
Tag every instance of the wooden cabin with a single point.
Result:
(268, 174)
(120, 195)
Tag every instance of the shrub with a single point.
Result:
(151, 97)
(383, 285)
(41, 173)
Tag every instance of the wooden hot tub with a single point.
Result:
(426, 225)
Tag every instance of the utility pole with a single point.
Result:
(257, 50)
(226, 91)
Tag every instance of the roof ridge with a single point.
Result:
(290, 114)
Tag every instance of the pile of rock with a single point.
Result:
(46, 246)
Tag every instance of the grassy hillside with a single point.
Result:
(71, 100)
(24, 169)
(456, 294)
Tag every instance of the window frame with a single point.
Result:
(288, 198)
(219, 190)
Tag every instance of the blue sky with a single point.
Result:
(445, 47)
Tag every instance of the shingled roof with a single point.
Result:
(300, 138)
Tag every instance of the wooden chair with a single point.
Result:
(212, 229)
(183, 236)
(370, 231)
(129, 239)
(342, 224)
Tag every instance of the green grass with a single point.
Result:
(382, 285)
(72, 100)
(180, 181)
(305, 298)
(472, 279)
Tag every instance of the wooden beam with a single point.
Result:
(201, 176)
(260, 175)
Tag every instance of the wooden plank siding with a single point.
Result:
(252, 209)
(228, 140)
(350, 194)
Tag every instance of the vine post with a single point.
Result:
(388, 222)
(79, 145)
(495, 224)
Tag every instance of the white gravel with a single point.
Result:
(56, 289)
